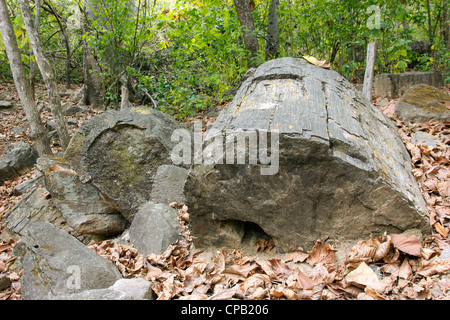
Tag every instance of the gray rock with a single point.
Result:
(154, 228)
(77, 95)
(36, 206)
(18, 159)
(20, 129)
(72, 110)
(4, 281)
(32, 208)
(425, 139)
(5, 105)
(445, 254)
(343, 172)
(421, 103)
(80, 203)
(50, 125)
(168, 185)
(23, 187)
(383, 102)
(394, 85)
(94, 294)
(138, 289)
(72, 121)
(57, 264)
(119, 152)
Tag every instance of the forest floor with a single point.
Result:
(388, 267)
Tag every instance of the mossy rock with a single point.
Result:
(421, 103)
(119, 152)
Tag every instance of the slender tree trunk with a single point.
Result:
(430, 31)
(245, 17)
(368, 75)
(66, 42)
(94, 89)
(38, 131)
(33, 66)
(47, 74)
(445, 24)
(272, 31)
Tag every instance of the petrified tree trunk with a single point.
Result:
(47, 74)
(38, 132)
(341, 171)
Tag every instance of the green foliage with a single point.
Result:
(115, 36)
(205, 56)
(187, 54)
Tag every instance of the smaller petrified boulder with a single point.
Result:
(18, 159)
(394, 85)
(421, 103)
(79, 203)
(154, 228)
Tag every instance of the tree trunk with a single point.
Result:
(66, 42)
(33, 66)
(38, 131)
(445, 25)
(47, 74)
(430, 31)
(245, 17)
(368, 76)
(94, 89)
(272, 31)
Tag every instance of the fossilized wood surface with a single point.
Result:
(343, 171)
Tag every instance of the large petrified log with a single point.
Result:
(343, 172)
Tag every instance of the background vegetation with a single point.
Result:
(187, 54)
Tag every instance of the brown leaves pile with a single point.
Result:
(387, 267)
(432, 170)
(9, 279)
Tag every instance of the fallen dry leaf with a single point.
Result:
(364, 276)
(321, 253)
(372, 250)
(300, 281)
(265, 244)
(374, 294)
(405, 270)
(317, 62)
(439, 228)
(408, 244)
(297, 255)
(433, 266)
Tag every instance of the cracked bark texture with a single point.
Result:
(46, 72)
(343, 171)
(38, 131)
